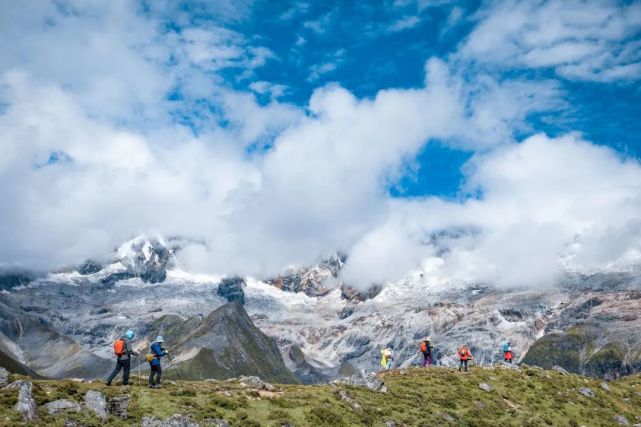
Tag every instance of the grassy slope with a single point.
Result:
(435, 396)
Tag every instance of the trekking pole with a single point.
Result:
(138, 370)
(171, 363)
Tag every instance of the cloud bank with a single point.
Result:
(114, 122)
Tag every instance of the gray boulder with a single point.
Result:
(4, 377)
(512, 366)
(485, 386)
(96, 403)
(363, 379)
(256, 383)
(587, 392)
(345, 397)
(62, 405)
(215, 422)
(560, 370)
(72, 423)
(26, 405)
(605, 387)
(173, 421)
(621, 420)
(118, 406)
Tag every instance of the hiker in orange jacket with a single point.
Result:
(464, 355)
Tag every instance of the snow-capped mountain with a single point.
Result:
(323, 328)
(316, 280)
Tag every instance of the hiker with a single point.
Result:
(124, 351)
(387, 357)
(507, 353)
(464, 355)
(157, 351)
(426, 349)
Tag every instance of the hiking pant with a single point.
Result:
(156, 371)
(427, 360)
(462, 364)
(125, 365)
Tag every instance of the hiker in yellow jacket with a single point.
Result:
(387, 357)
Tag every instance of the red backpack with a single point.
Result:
(119, 347)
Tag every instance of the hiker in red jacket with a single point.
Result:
(464, 354)
(507, 353)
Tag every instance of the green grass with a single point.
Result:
(416, 397)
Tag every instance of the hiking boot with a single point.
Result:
(151, 386)
(108, 383)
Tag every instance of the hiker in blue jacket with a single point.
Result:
(157, 351)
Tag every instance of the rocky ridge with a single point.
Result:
(322, 334)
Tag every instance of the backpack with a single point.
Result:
(119, 347)
(423, 347)
(149, 357)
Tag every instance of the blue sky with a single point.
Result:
(368, 47)
(275, 133)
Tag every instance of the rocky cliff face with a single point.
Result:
(27, 340)
(225, 344)
(147, 258)
(595, 334)
(232, 289)
(317, 280)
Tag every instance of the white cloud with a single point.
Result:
(322, 24)
(300, 41)
(543, 200)
(330, 63)
(317, 178)
(453, 19)
(590, 40)
(262, 87)
(404, 23)
(319, 189)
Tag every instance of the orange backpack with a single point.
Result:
(119, 347)
(423, 347)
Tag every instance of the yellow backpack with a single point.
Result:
(149, 357)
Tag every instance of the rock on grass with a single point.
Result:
(4, 377)
(364, 379)
(118, 406)
(96, 403)
(486, 387)
(173, 421)
(62, 405)
(256, 383)
(26, 405)
(345, 397)
(621, 420)
(586, 391)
